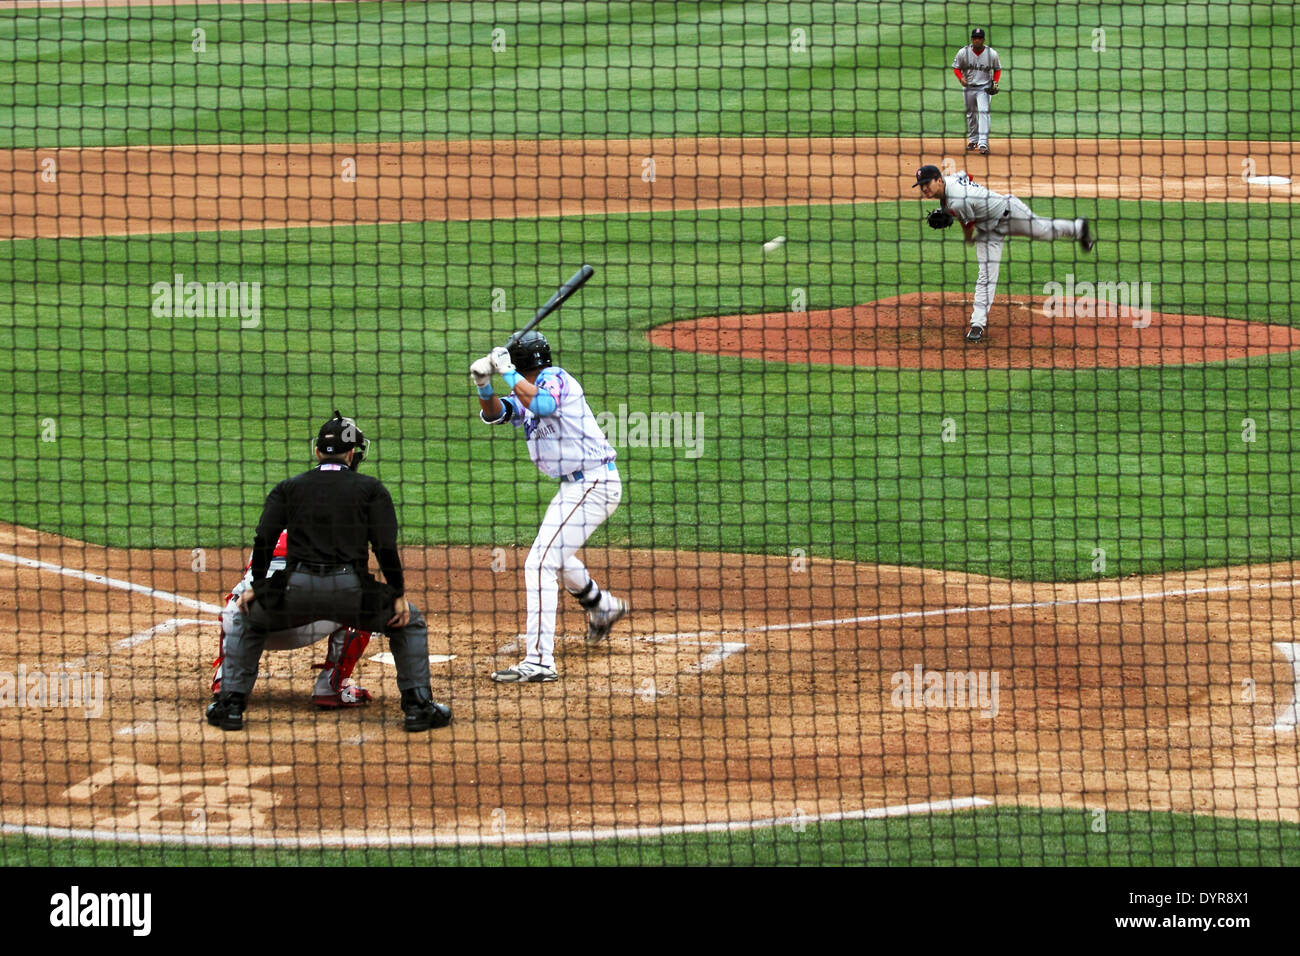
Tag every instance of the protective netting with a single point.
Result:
(809, 534)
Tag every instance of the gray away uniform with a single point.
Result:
(978, 71)
(996, 216)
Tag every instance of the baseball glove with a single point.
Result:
(993, 89)
(940, 219)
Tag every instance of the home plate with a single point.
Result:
(386, 657)
(1268, 180)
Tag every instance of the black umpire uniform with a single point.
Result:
(332, 514)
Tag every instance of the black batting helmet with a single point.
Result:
(340, 435)
(531, 351)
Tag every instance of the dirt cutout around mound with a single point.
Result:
(738, 691)
(927, 329)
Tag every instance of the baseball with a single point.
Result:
(774, 244)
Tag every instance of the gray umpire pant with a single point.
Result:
(311, 596)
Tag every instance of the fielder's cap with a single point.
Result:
(925, 174)
(977, 32)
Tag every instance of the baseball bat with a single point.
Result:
(575, 283)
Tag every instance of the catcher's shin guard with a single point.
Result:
(221, 656)
(333, 687)
(352, 644)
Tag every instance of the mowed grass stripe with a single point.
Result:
(129, 75)
(1149, 464)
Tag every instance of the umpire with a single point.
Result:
(332, 513)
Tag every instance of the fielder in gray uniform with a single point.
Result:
(987, 218)
(978, 70)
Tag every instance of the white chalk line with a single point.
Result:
(166, 627)
(968, 609)
(118, 583)
(386, 657)
(383, 839)
(134, 729)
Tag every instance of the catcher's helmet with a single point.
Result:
(339, 435)
(531, 351)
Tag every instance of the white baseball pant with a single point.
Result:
(1020, 221)
(977, 115)
(578, 509)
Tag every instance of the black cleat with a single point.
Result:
(227, 710)
(599, 623)
(1086, 239)
(975, 333)
(422, 711)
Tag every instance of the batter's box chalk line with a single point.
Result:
(386, 657)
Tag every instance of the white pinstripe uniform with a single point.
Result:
(995, 217)
(569, 445)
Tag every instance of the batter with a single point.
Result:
(564, 442)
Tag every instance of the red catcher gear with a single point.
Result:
(334, 687)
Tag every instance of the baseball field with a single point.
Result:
(898, 599)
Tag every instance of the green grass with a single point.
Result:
(110, 76)
(988, 837)
(168, 432)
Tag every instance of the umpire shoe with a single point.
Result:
(975, 333)
(1086, 239)
(600, 622)
(227, 710)
(525, 672)
(422, 711)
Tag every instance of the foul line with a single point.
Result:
(190, 603)
(368, 839)
(969, 609)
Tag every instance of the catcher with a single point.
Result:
(334, 686)
(987, 219)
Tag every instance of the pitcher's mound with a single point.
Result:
(927, 330)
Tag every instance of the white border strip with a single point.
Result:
(383, 839)
(190, 603)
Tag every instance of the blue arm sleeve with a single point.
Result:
(543, 403)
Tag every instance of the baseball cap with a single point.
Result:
(925, 174)
(977, 32)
